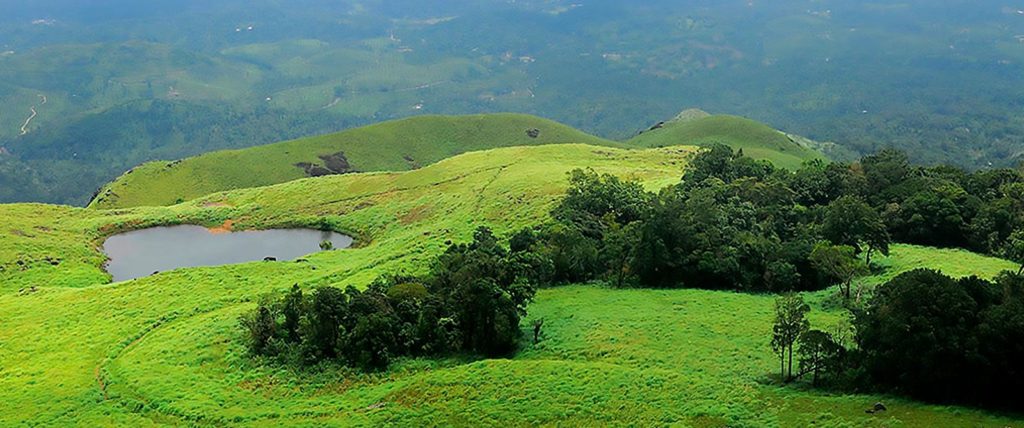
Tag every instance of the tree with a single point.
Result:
(839, 261)
(883, 171)
(478, 286)
(851, 221)
(593, 198)
(619, 250)
(372, 341)
(292, 309)
(261, 328)
(1015, 250)
(934, 216)
(327, 308)
(790, 323)
(917, 334)
(719, 161)
(819, 353)
(781, 276)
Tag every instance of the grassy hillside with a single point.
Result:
(756, 139)
(166, 350)
(390, 146)
(412, 143)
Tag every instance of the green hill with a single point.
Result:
(757, 140)
(166, 350)
(412, 143)
(390, 146)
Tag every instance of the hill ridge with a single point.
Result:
(402, 145)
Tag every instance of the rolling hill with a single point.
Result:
(166, 350)
(757, 140)
(412, 143)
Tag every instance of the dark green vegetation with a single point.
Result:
(924, 334)
(741, 224)
(470, 302)
(126, 83)
(948, 340)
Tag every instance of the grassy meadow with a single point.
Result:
(166, 350)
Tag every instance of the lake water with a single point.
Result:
(141, 253)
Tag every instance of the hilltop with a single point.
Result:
(165, 350)
(757, 140)
(413, 143)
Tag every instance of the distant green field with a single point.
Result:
(412, 143)
(757, 140)
(166, 350)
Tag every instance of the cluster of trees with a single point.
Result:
(471, 302)
(737, 223)
(923, 334)
(733, 223)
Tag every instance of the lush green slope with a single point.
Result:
(390, 146)
(411, 143)
(757, 140)
(166, 350)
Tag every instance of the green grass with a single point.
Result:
(166, 350)
(757, 140)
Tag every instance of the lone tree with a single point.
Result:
(841, 262)
(790, 323)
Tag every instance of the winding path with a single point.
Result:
(24, 128)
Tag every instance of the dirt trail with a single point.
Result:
(24, 128)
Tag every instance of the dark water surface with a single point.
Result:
(141, 253)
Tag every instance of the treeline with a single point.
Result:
(471, 302)
(740, 224)
(923, 334)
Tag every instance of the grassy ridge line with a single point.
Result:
(390, 146)
(757, 140)
(415, 142)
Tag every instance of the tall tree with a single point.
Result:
(790, 323)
